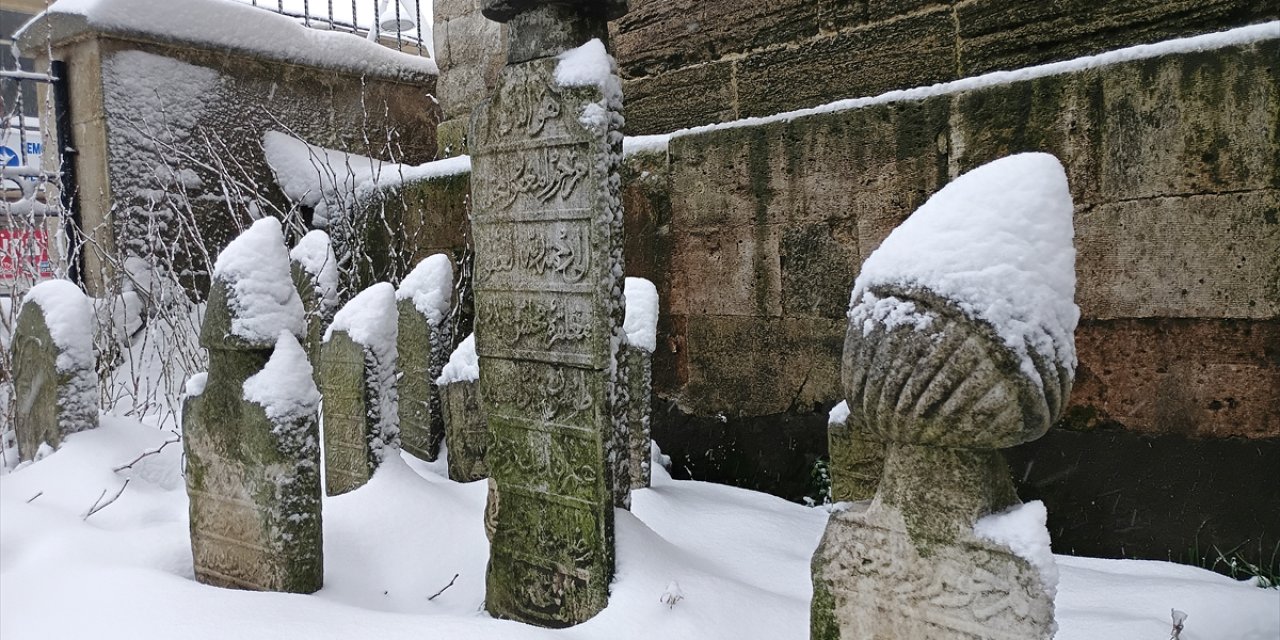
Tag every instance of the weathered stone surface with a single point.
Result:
(471, 51)
(639, 381)
(663, 35)
(422, 348)
(912, 51)
(353, 432)
(548, 283)
(466, 430)
(996, 34)
(857, 461)
(56, 394)
(943, 397)
(253, 481)
(705, 93)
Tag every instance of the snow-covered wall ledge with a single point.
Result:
(222, 26)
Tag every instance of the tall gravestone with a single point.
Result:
(547, 221)
(250, 429)
(54, 374)
(423, 343)
(466, 429)
(358, 383)
(960, 343)
(641, 326)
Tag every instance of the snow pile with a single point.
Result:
(230, 26)
(69, 317)
(739, 561)
(839, 414)
(314, 253)
(284, 388)
(997, 242)
(330, 181)
(430, 286)
(588, 66)
(196, 383)
(463, 365)
(260, 291)
(1022, 529)
(641, 319)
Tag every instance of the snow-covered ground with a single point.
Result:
(740, 560)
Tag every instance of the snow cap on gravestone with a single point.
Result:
(252, 278)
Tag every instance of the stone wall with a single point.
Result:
(753, 236)
(693, 62)
(167, 127)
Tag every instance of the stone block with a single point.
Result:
(55, 381)
(856, 461)
(355, 438)
(466, 431)
(732, 271)
(639, 381)
(474, 50)
(1191, 378)
(421, 351)
(1206, 256)
(815, 267)
(704, 93)
(916, 50)
(995, 34)
(661, 35)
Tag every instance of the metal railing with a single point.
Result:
(395, 23)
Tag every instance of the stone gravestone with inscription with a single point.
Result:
(423, 342)
(641, 326)
(315, 273)
(466, 430)
(358, 383)
(250, 430)
(547, 221)
(55, 379)
(960, 343)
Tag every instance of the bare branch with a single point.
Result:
(98, 505)
(446, 588)
(144, 454)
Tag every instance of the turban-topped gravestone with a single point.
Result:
(960, 343)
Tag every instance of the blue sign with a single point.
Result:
(9, 157)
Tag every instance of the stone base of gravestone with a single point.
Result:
(857, 462)
(349, 463)
(51, 403)
(466, 431)
(420, 355)
(879, 581)
(638, 365)
(254, 502)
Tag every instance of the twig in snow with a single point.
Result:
(32, 498)
(98, 505)
(1179, 617)
(446, 587)
(145, 454)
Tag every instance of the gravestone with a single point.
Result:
(423, 341)
(315, 274)
(960, 343)
(250, 432)
(358, 383)
(55, 379)
(641, 326)
(466, 429)
(547, 221)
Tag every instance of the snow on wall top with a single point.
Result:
(225, 26)
(369, 319)
(998, 242)
(328, 180)
(640, 321)
(284, 387)
(314, 253)
(69, 318)
(260, 291)
(430, 286)
(463, 365)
